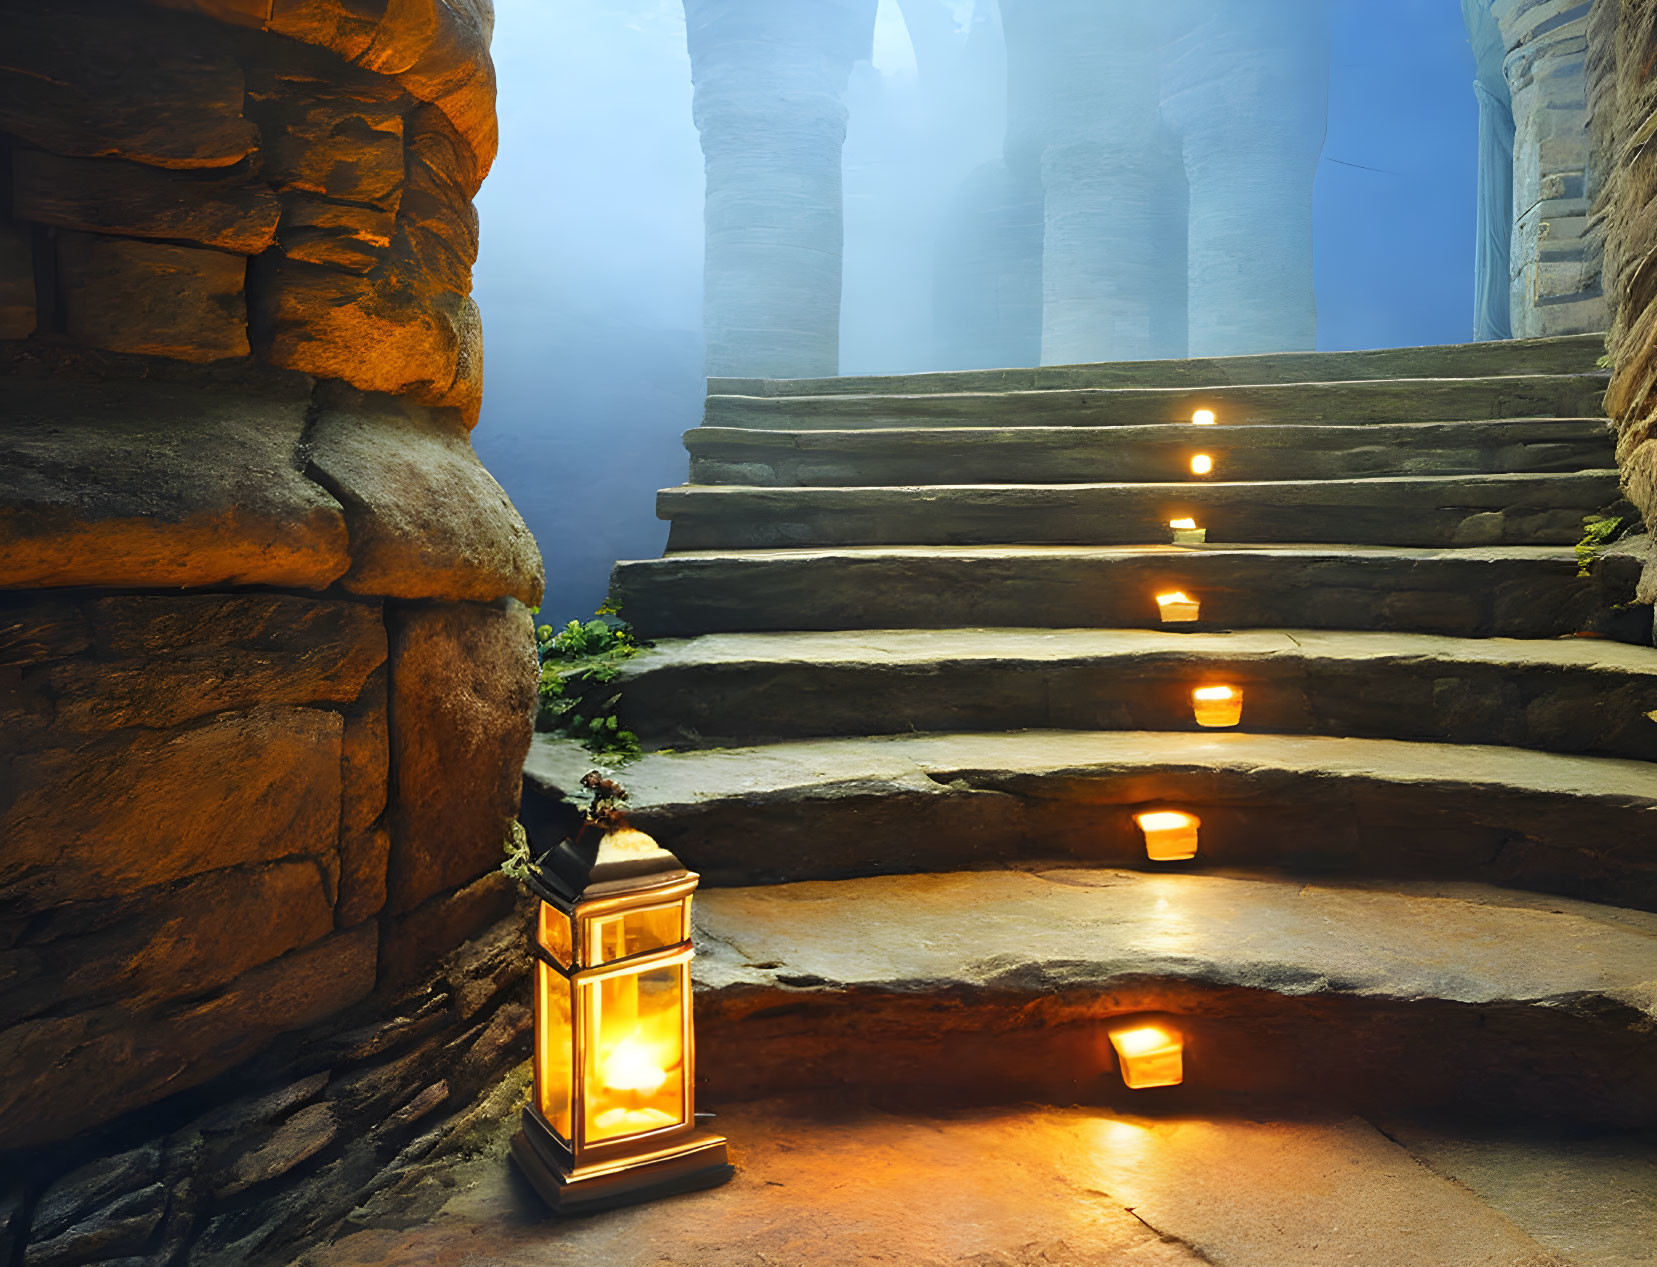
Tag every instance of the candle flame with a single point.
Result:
(633, 1065)
(1203, 417)
(1182, 523)
(1212, 692)
(1178, 596)
(1164, 820)
(1201, 464)
(1144, 1038)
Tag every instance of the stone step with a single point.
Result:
(1570, 354)
(1058, 455)
(1584, 827)
(1027, 1185)
(1565, 695)
(1451, 997)
(1394, 510)
(1337, 404)
(1512, 591)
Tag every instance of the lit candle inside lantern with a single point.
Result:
(1202, 464)
(633, 1071)
(1170, 835)
(1217, 705)
(1186, 532)
(1176, 607)
(1149, 1055)
(1203, 417)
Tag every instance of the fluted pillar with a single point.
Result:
(1247, 91)
(769, 103)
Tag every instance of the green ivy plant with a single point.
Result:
(578, 663)
(1598, 531)
(516, 849)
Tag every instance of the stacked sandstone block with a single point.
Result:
(266, 666)
(1622, 74)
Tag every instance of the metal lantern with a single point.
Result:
(613, 1119)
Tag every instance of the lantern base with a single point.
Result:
(698, 1162)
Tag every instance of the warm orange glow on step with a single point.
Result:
(1217, 705)
(1149, 1055)
(1176, 608)
(1170, 834)
(1186, 532)
(1202, 464)
(1203, 417)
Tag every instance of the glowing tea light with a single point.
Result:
(1186, 532)
(1177, 607)
(631, 1065)
(1203, 417)
(1170, 835)
(1217, 705)
(1150, 1055)
(1202, 464)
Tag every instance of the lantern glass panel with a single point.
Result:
(556, 935)
(554, 1063)
(634, 932)
(634, 1046)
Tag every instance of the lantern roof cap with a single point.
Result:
(595, 862)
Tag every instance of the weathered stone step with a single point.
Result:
(1393, 510)
(1570, 354)
(1362, 402)
(1568, 695)
(1027, 1185)
(1002, 984)
(1057, 455)
(1585, 827)
(1512, 591)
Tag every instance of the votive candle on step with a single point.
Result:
(1150, 1055)
(1217, 706)
(1177, 607)
(1186, 532)
(1170, 834)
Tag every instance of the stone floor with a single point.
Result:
(1059, 1187)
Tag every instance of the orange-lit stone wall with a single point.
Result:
(266, 666)
(1622, 71)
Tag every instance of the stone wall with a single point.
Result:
(1553, 259)
(1622, 72)
(266, 666)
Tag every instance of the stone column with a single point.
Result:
(987, 298)
(266, 666)
(769, 103)
(1493, 243)
(1554, 261)
(1083, 78)
(1247, 93)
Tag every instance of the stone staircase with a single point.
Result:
(910, 687)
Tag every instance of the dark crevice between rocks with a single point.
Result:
(1168, 1238)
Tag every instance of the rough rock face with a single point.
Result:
(284, 1147)
(1624, 99)
(238, 366)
